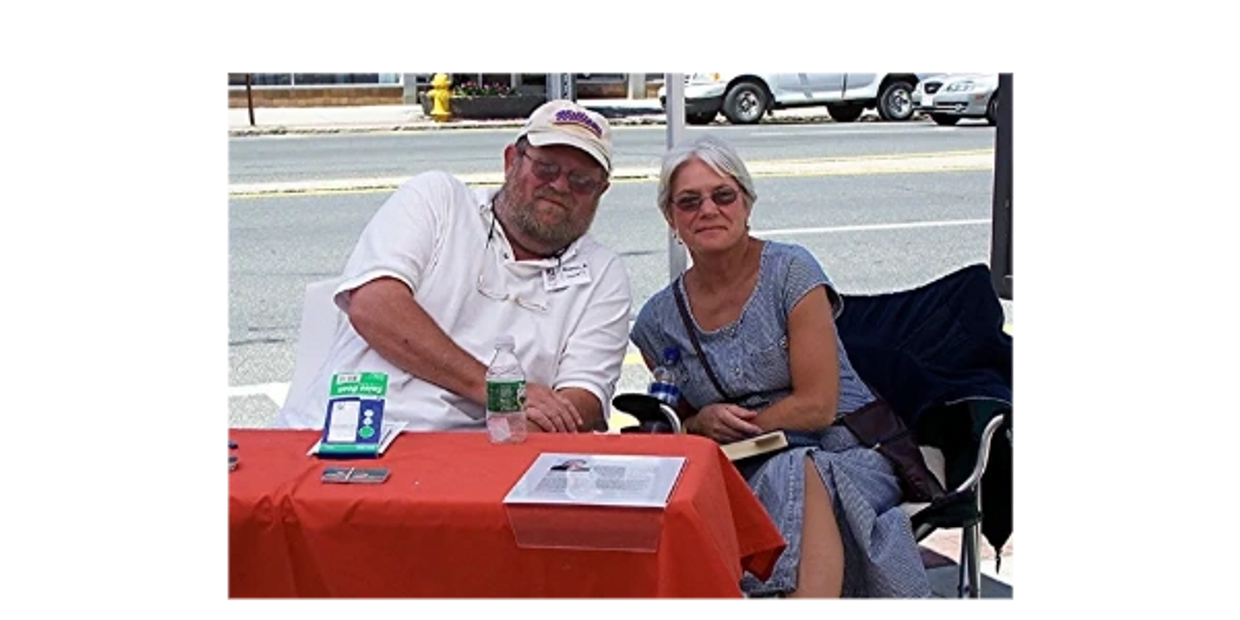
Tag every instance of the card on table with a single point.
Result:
(355, 475)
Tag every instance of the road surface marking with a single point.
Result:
(277, 392)
(904, 163)
(867, 227)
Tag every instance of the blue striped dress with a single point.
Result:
(750, 358)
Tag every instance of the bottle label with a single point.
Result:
(666, 392)
(505, 396)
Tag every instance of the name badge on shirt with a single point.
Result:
(564, 276)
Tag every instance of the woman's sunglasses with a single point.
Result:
(691, 202)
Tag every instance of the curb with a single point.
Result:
(419, 126)
(629, 121)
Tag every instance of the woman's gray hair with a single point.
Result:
(715, 153)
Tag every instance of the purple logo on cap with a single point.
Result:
(575, 117)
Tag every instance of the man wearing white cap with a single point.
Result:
(442, 269)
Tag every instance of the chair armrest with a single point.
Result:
(673, 419)
(652, 414)
(983, 453)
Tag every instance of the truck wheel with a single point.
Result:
(745, 104)
(896, 101)
(845, 112)
(701, 118)
(945, 120)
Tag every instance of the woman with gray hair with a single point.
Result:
(755, 322)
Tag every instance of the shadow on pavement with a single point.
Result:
(943, 582)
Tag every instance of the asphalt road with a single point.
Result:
(874, 224)
(348, 156)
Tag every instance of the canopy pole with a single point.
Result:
(675, 108)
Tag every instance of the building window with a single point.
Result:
(316, 79)
(600, 75)
(504, 79)
(261, 79)
(540, 76)
(370, 79)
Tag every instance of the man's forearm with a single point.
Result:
(385, 314)
(588, 406)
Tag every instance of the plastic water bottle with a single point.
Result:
(505, 394)
(665, 385)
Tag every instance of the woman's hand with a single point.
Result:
(724, 422)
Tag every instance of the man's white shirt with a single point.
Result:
(569, 316)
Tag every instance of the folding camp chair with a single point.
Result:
(320, 318)
(938, 354)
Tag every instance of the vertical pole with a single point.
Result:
(1003, 210)
(249, 95)
(555, 89)
(637, 85)
(675, 108)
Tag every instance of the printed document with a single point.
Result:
(598, 479)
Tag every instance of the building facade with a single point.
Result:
(272, 90)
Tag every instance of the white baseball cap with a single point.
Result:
(561, 121)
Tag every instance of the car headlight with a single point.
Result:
(957, 87)
(703, 78)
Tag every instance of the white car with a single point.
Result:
(744, 98)
(949, 97)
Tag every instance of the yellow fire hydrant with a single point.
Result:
(441, 96)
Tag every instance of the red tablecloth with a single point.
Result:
(438, 527)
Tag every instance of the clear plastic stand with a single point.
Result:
(604, 528)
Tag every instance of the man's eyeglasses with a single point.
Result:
(691, 202)
(486, 291)
(549, 172)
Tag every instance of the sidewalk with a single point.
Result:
(360, 119)
(940, 552)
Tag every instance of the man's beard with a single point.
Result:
(553, 237)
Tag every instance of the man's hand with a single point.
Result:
(725, 422)
(549, 411)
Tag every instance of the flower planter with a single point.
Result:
(484, 108)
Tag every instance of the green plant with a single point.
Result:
(474, 89)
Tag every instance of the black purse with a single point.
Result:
(876, 426)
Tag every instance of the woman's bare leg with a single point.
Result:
(821, 572)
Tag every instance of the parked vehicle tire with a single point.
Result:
(992, 110)
(745, 103)
(895, 103)
(946, 120)
(701, 118)
(845, 112)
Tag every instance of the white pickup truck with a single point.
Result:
(745, 97)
